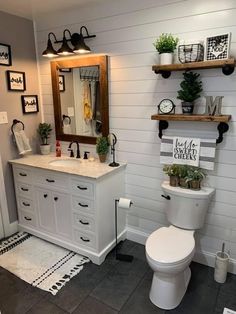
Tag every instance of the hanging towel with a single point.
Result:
(66, 128)
(206, 157)
(88, 113)
(22, 142)
(185, 151)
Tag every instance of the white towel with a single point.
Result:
(207, 152)
(66, 128)
(22, 142)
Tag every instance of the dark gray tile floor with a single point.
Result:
(116, 287)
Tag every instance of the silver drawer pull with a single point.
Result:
(82, 205)
(83, 222)
(23, 174)
(85, 240)
(27, 218)
(81, 188)
(25, 204)
(50, 181)
(24, 189)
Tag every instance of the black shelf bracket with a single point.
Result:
(163, 125)
(222, 128)
(228, 69)
(164, 74)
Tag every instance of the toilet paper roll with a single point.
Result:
(124, 203)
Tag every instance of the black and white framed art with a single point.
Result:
(5, 54)
(61, 83)
(217, 47)
(29, 103)
(16, 81)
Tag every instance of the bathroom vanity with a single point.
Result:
(70, 202)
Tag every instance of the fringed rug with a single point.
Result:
(40, 263)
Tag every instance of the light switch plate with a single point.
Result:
(3, 117)
(228, 311)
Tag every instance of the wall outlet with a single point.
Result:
(228, 311)
(3, 117)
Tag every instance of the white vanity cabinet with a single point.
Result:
(76, 212)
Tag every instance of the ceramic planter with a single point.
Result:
(195, 184)
(187, 107)
(174, 181)
(183, 183)
(45, 149)
(102, 158)
(166, 58)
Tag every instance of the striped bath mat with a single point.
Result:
(40, 263)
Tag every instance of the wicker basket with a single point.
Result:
(190, 53)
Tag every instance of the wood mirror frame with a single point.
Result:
(96, 60)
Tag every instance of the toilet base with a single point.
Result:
(167, 291)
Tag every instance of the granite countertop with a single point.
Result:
(91, 169)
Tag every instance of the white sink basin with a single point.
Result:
(65, 162)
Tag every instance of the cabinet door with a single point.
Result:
(62, 214)
(45, 210)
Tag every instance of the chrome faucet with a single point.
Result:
(71, 150)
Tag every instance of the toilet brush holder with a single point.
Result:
(221, 267)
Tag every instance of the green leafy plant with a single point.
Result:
(191, 87)
(171, 170)
(44, 130)
(102, 145)
(183, 171)
(195, 174)
(166, 43)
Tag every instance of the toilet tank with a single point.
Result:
(186, 208)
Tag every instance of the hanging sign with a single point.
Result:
(186, 151)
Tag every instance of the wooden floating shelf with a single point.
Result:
(194, 65)
(194, 117)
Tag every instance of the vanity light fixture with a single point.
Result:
(76, 39)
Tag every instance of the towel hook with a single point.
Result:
(66, 117)
(15, 121)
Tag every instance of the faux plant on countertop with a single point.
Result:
(44, 130)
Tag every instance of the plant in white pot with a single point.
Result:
(166, 45)
(191, 87)
(44, 130)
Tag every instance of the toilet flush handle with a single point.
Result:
(166, 196)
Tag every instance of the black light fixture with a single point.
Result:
(50, 52)
(76, 39)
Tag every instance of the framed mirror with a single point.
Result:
(80, 98)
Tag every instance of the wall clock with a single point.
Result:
(166, 106)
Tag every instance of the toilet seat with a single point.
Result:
(170, 245)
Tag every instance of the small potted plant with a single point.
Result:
(173, 172)
(102, 147)
(44, 130)
(194, 177)
(183, 172)
(166, 45)
(191, 87)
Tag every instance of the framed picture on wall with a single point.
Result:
(5, 54)
(217, 47)
(29, 103)
(61, 83)
(16, 81)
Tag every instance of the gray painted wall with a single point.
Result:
(19, 34)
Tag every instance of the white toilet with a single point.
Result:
(169, 250)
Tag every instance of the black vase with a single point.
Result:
(187, 107)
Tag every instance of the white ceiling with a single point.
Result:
(33, 8)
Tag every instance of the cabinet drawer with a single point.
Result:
(83, 204)
(25, 203)
(84, 222)
(84, 238)
(82, 188)
(22, 174)
(27, 219)
(24, 189)
(51, 179)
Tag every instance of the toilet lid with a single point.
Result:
(170, 245)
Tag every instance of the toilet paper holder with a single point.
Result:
(120, 256)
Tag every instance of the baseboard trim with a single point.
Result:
(202, 257)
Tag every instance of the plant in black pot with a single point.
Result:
(44, 130)
(102, 148)
(191, 87)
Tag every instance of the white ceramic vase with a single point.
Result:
(45, 149)
(166, 58)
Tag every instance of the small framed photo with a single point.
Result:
(65, 70)
(61, 83)
(29, 103)
(5, 54)
(217, 47)
(16, 81)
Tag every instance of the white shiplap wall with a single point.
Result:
(125, 31)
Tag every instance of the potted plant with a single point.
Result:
(194, 177)
(44, 130)
(191, 87)
(183, 172)
(102, 147)
(165, 45)
(173, 172)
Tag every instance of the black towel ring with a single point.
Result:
(66, 117)
(15, 121)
